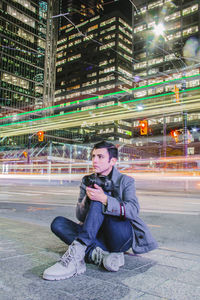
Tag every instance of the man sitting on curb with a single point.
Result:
(109, 224)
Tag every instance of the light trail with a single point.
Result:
(113, 112)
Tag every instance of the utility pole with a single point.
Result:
(164, 137)
(185, 134)
(50, 54)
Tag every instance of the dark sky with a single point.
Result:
(124, 6)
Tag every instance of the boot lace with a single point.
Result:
(67, 256)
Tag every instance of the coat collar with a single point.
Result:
(116, 176)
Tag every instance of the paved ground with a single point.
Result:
(27, 247)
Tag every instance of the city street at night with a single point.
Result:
(100, 105)
(28, 247)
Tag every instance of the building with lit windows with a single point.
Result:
(22, 40)
(166, 42)
(93, 59)
(79, 11)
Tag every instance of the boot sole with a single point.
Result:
(56, 278)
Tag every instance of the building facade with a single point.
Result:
(22, 39)
(95, 58)
(166, 41)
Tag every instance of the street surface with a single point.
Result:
(27, 247)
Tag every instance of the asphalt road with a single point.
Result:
(172, 217)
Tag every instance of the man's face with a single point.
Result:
(101, 162)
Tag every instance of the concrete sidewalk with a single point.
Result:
(27, 248)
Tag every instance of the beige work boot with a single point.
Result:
(71, 263)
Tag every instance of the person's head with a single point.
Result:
(104, 157)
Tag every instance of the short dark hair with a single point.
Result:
(112, 149)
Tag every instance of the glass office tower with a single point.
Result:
(22, 40)
(95, 58)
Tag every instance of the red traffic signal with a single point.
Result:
(40, 135)
(174, 135)
(143, 127)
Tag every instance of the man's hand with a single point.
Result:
(96, 194)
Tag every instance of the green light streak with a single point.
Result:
(99, 97)
(90, 109)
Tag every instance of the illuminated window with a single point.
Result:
(173, 16)
(125, 48)
(194, 83)
(60, 62)
(107, 29)
(107, 22)
(106, 87)
(41, 43)
(23, 18)
(89, 83)
(26, 35)
(73, 87)
(140, 28)
(155, 4)
(106, 70)
(106, 103)
(92, 28)
(74, 57)
(88, 107)
(15, 80)
(140, 65)
(77, 42)
(124, 80)
(155, 61)
(62, 41)
(107, 78)
(190, 9)
(26, 4)
(124, 30)
(106, 46)
(152, 71)
(190, 30)
(140, 94)
(88, 37)
(92, 74)
(173, 36)
(39, 89)
(125, 24)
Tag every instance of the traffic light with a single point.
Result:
(40, 135)
(174, 135)
(25, 154)
(143, 127)
(176, 91)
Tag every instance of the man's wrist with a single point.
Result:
(106, 200)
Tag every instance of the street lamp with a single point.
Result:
(159, 29)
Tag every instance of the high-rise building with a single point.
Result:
(94, 58)
(166, 57)
(79, 11)
(22, 40)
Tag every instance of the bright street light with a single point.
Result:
(159, 29)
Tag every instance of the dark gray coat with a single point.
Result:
(124, 191)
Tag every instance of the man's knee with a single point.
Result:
(57, 224)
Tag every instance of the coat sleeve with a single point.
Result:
(83, 204)
(127, 197)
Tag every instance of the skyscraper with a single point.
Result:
(94, 58)
(22, 40)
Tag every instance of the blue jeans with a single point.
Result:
(107, 232)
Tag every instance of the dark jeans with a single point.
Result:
(107, 232)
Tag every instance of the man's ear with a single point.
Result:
(113, 161)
